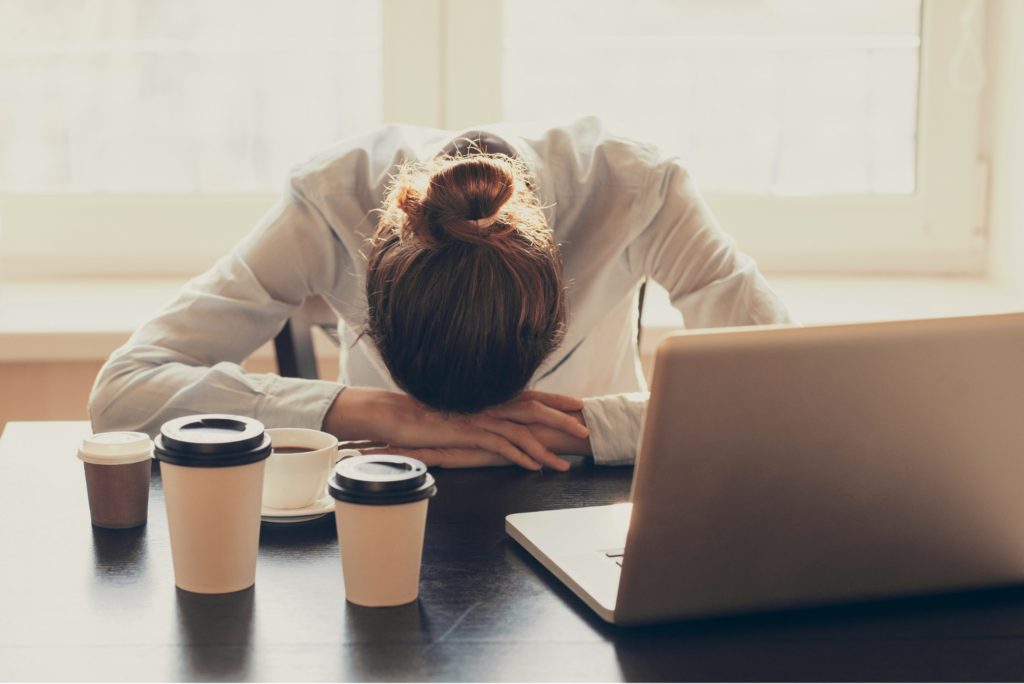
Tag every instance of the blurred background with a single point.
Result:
(865, 152)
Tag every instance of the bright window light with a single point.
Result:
(783, 97)
(180, 96)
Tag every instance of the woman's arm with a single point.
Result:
(527, 431)
(563, 431)
(710, 281)
(187, 359)
(685, 251)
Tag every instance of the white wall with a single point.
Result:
(1004, 142)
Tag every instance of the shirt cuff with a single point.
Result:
(297, 403)
(615, 421)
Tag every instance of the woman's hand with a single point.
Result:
(401, 422)
(561, 442)
(438, 456)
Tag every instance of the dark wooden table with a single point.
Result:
(85, 604)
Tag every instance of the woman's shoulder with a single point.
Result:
(590, 150)
(364, 162)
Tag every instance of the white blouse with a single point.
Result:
(621, 211)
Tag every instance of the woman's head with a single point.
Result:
(464, 282)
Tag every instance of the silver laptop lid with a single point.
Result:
(785, 467)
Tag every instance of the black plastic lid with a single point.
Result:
(381, 480)
(213, 440)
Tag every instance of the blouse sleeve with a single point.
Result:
(709, 280)
(186, 360)
(685, 251)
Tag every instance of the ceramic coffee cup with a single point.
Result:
(299, 466)
(380, 510)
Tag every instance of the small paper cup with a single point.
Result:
(380, 510)
(117, 468)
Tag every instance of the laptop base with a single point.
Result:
(573, 544)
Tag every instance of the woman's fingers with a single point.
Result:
(460, 458)
(522, 439)
(445, 458)
(561, 402)
(534, 412)
(419, 427)
(496, 443)
(424, 428)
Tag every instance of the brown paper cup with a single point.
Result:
(118, 494)
(381, 549)
(214, 520)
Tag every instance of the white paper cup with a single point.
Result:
(214, 520)
(212, 469)
(380, 510)
(381, 551)
(297, 480)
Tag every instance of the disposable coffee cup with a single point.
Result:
(117, 466)
(380, 509)
(299, 466)
(212, 469)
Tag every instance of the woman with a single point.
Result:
(477, 278)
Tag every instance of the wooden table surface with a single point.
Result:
(86, 604)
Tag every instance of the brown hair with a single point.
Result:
(463, 314)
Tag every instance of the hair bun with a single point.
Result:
(464, 199)
(480, 199)
(477, 199)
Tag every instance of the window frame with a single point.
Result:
(932, 231)
(432, 48)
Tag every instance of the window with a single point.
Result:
(132, 124)
(180, 97)
(799, 97)
(827, 135)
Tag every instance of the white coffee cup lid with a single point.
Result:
(116, 448)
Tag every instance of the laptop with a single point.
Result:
(784, 467)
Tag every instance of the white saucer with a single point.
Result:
(319, 509)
